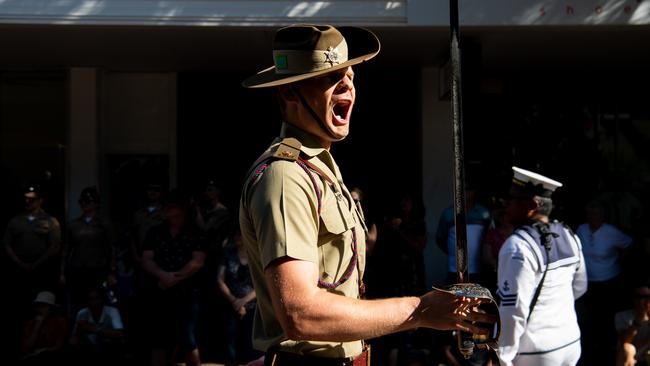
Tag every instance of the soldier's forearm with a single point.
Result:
(307, 312)
(331, 317)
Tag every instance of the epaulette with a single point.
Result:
(289, 149)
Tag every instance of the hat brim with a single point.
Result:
(45, 303)
(362, 45)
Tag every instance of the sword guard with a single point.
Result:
(467, 343)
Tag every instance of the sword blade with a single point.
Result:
(462, 271)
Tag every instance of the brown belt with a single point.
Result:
(279, 358)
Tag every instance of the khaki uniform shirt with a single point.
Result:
(89, 244)
(279, 218)
(31, 235)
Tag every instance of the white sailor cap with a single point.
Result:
(533, 183)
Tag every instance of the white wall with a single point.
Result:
(437, 169)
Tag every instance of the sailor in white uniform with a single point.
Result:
(541, 272)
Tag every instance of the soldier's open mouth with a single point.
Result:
(341, 112)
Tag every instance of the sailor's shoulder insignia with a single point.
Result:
(289, 149)
(506, 300)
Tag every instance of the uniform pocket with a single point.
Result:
(337, 220)
(332, 218)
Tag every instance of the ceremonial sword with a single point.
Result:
(466, 342)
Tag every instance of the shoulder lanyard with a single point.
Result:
(354, 261)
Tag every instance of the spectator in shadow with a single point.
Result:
(406, 230)
(368, 217)
(212, 216)
(146, 218)
(98, 333)
(633, 330)
(173, 254)
(132, 278)
(402, 239)
(478, 222)
(636, 259)
(235, 283)
(215, 220)
(88, 253)
(31, 243)
(44, 335)
(495, 236)
(602, 246)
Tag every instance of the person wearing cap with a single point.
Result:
(44, 335)
(89, 249)
(213, 214)
(213, 217)
(131, 277)
(147, 217)
(303, 232)
(32, 240)
(541, 272)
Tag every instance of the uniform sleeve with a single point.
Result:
(621, 239)
(55, 232)
(283, 208)
(116, 319)
(516, 281)
(580, 277)
(81, 315)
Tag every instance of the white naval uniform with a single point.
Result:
(551, 336)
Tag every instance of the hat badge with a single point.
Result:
(332, 55)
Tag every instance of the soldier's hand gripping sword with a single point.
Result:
(466, 342)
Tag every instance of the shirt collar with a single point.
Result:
(310, 145)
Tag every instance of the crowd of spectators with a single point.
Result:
(174, 285)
